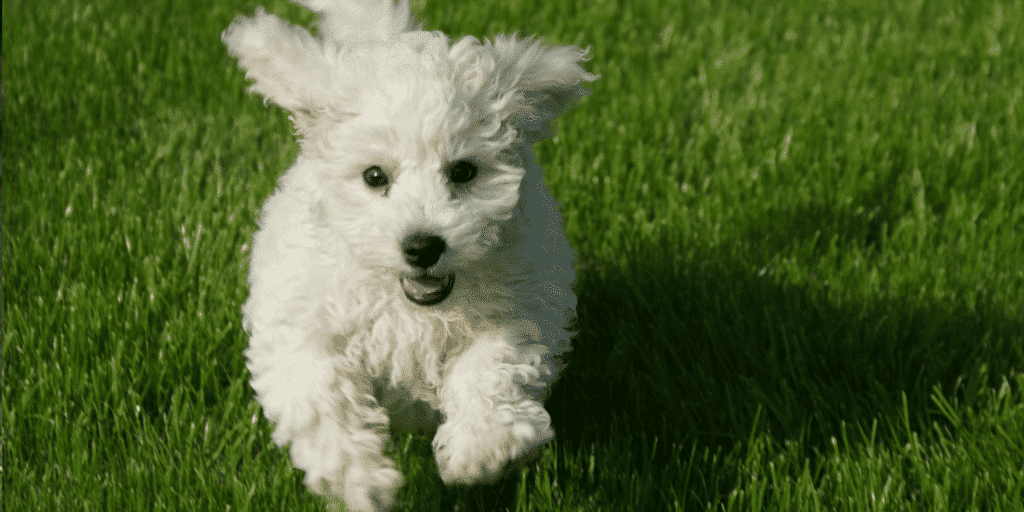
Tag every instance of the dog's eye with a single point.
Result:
(375, 177)
(462, 172)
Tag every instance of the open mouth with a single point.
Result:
(427, 290)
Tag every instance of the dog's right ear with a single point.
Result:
(286, 64)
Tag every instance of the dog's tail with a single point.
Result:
(361, 20)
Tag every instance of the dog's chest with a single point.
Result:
(408, 350)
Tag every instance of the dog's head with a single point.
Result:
(418, 146)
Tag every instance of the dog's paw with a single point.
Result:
(366, 491)
(480, 449)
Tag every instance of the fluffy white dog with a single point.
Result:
(410, 270)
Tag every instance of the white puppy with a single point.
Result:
(410, 271)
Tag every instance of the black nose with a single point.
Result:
(423, 249)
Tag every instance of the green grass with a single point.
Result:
(799, 228)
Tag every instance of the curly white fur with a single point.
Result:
(338, 351)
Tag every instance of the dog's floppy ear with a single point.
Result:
(286, 64)
(361, 20)
(544, 81)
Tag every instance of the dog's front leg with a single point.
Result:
(323, 409)
(492, 415)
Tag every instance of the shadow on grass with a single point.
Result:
(685, 355)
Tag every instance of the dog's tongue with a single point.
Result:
(427, 290)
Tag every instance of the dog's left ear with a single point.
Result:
(542, 82)
(286, 64)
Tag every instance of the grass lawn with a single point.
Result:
(799, 226)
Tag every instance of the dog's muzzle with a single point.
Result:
(427, 290)
(421, 250)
